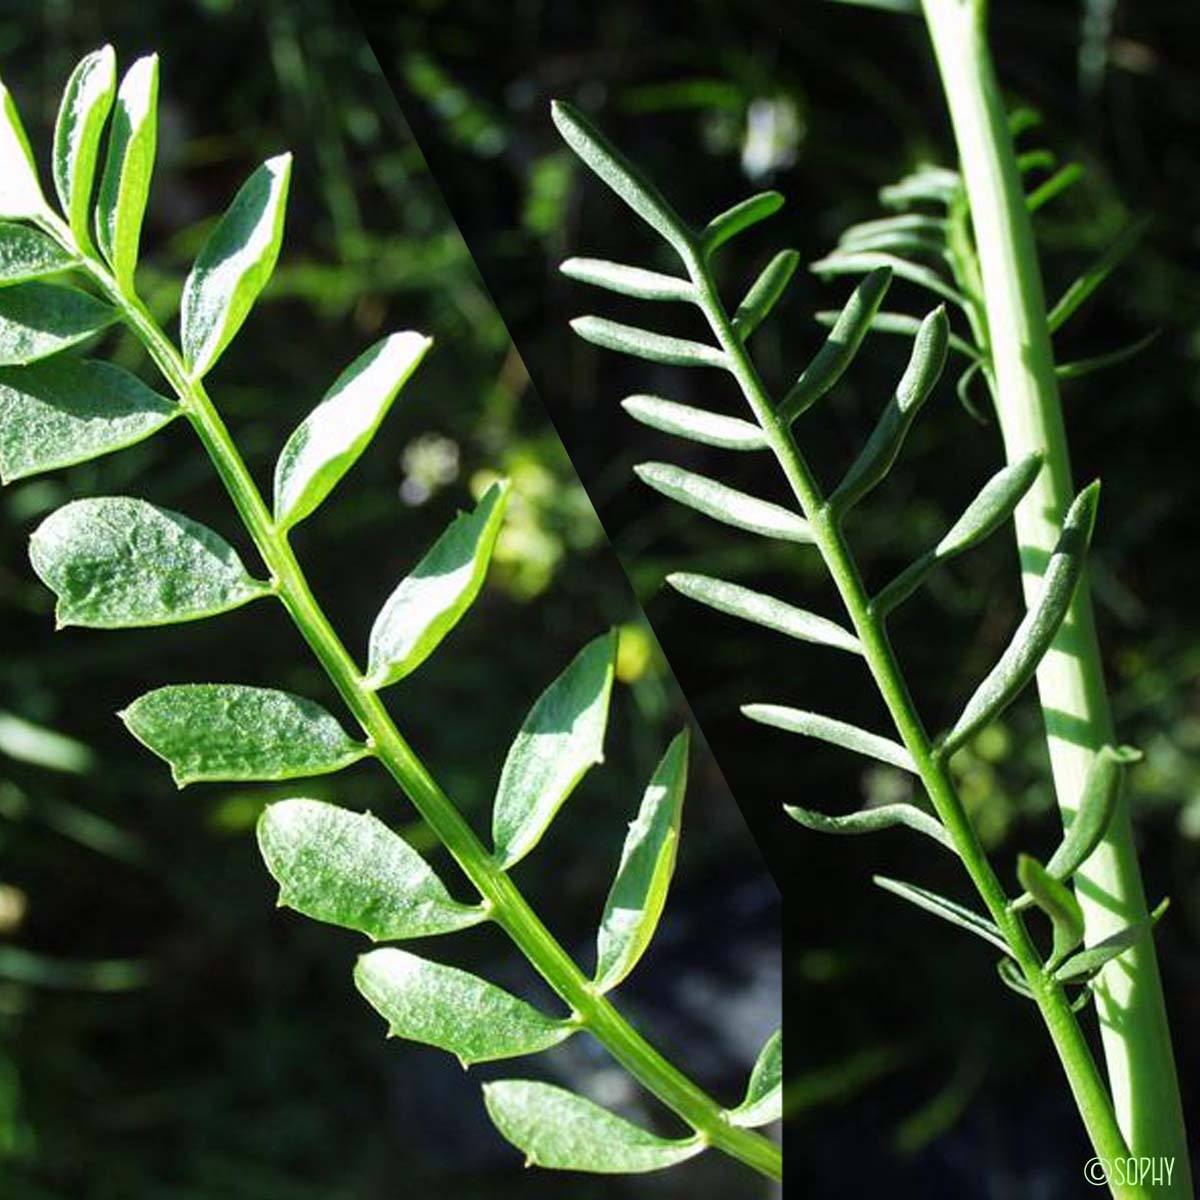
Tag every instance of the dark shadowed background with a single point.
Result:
(165, 1032)
(912, 1070)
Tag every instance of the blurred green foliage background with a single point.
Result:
(912, 1069)
(165, 1032)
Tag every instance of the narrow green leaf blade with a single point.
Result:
(1057, 901)
(614, 169)
(742, 216)
(115, 562)
(883, 446)
(561, 1131)
(902, 325)
(68, 410)
(737, 601)
(723, 503)
(350, 869)
(234, 265)
(764, 1094)
(871, 820)
(1087, 964)
(861, 262)
(765, 292)
(86, 103)
(41, 319)
(1012, 978)
(1101, 790)
(926, 185)
(639, 892)
(695, 424)
(27, 254)
(430, 601)
(641, 343)
(1058, 183)
(227, 731)
(627, 281)
(128, 168)
(560, 739)
(828, 729)
(20, 193)
(840, 347)
(948, 910)
(1101, 362)
(911, 224)
(1037, 630)
(330, 440)
(456, 1011)
(1082, 289)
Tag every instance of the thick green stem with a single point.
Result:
(1129, 997)
(1083, 1076)
(503, 900)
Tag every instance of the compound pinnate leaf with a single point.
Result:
(1085, 965)
(829, 729)
(431, 600)
(639, 891)
(840, 347)
(561, 738)
(871, 820)
(883, 446)
(723, 503)
(128, 168)
(764, 1094)
(994, 504)
(695, 424)
(641, 343)
(737, 601)
(1057, 901)
(948, 910)
(41, 319)
(115, 562)
(765, 292)
(27, 254)
(1039, 627)
(87, 100)
(20, 193)
(234, 265)
(559, 1130)
(227, 731)
(598, 153)
(329, 441)
(627, 281)
(454, 1010)
(350, 869)
(740, 217)
(68, 410)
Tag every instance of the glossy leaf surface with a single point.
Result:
(561, 738)
(330, 440)
(27, 254)
(41, 319)
(431, 600)
(68, 410)
(226, 731)
(234, 265)
(128, 168)
(1057, 901)
(115, 562)
(20, 193)
(695, 424)
(723, 503)
(454, 1010)
(350, 869)
(763, 1102)
(559, 1130)
(639, 892)
(737, 601)
(86, 102)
